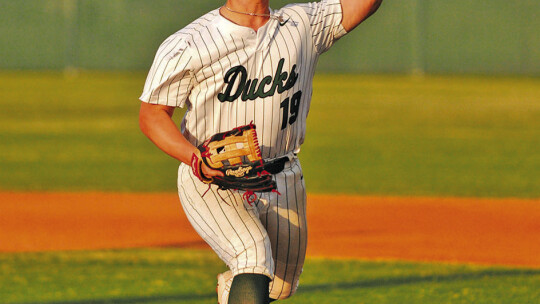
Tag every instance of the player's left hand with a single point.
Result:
(209, 173)
(232, 160)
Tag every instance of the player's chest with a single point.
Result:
(238, 82)
(265, 61)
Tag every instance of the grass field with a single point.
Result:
(182, 276)
(387, 135)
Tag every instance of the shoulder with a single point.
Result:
(311, 11)
(309, 7)
(187, 38)
(312, 8)
(202, 23)
(298, 9)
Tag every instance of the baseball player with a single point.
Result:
(239, 64)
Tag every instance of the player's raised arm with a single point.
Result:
(356, 11)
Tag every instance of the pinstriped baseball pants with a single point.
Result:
(268, 237)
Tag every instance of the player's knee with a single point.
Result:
(254, 254)
(282, 295)
(282, 291)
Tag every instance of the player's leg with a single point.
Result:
(229, 225)
(232, 290)
(285, 222)
(249, 288)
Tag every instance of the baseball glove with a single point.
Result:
(237, 154)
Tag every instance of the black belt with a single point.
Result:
(276, 165)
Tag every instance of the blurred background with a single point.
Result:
(407, 36)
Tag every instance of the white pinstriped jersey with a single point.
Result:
(229, 75)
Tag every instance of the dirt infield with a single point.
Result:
(485, 231)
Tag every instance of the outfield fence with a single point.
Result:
(405, 36)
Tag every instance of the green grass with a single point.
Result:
(371, 135)
(188, 276)
(446, 136)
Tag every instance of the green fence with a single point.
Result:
(431, 36)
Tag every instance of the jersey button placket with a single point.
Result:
(251, 40)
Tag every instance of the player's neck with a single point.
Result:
(259, 7)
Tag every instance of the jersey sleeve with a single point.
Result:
(325, 22)
(170, 79)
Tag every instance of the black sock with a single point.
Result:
(249, 288)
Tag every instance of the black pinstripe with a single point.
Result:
(196, 223)
(299, 237)
(160, 57)
(195, 107)
(271, 62)
(304, 58)
(213, 217)
(277, 238)
(247, 56)
(207, 131)
(254, 242)
(216, 198)
(176, 77)
(228, 127)
(285, 130)
(236, 103)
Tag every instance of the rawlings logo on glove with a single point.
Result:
(237, 154)
(240, 172)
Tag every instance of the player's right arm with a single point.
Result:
(156, 123)
(167, 87)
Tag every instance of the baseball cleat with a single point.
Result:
(221, 287)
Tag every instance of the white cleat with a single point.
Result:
(222, 287)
